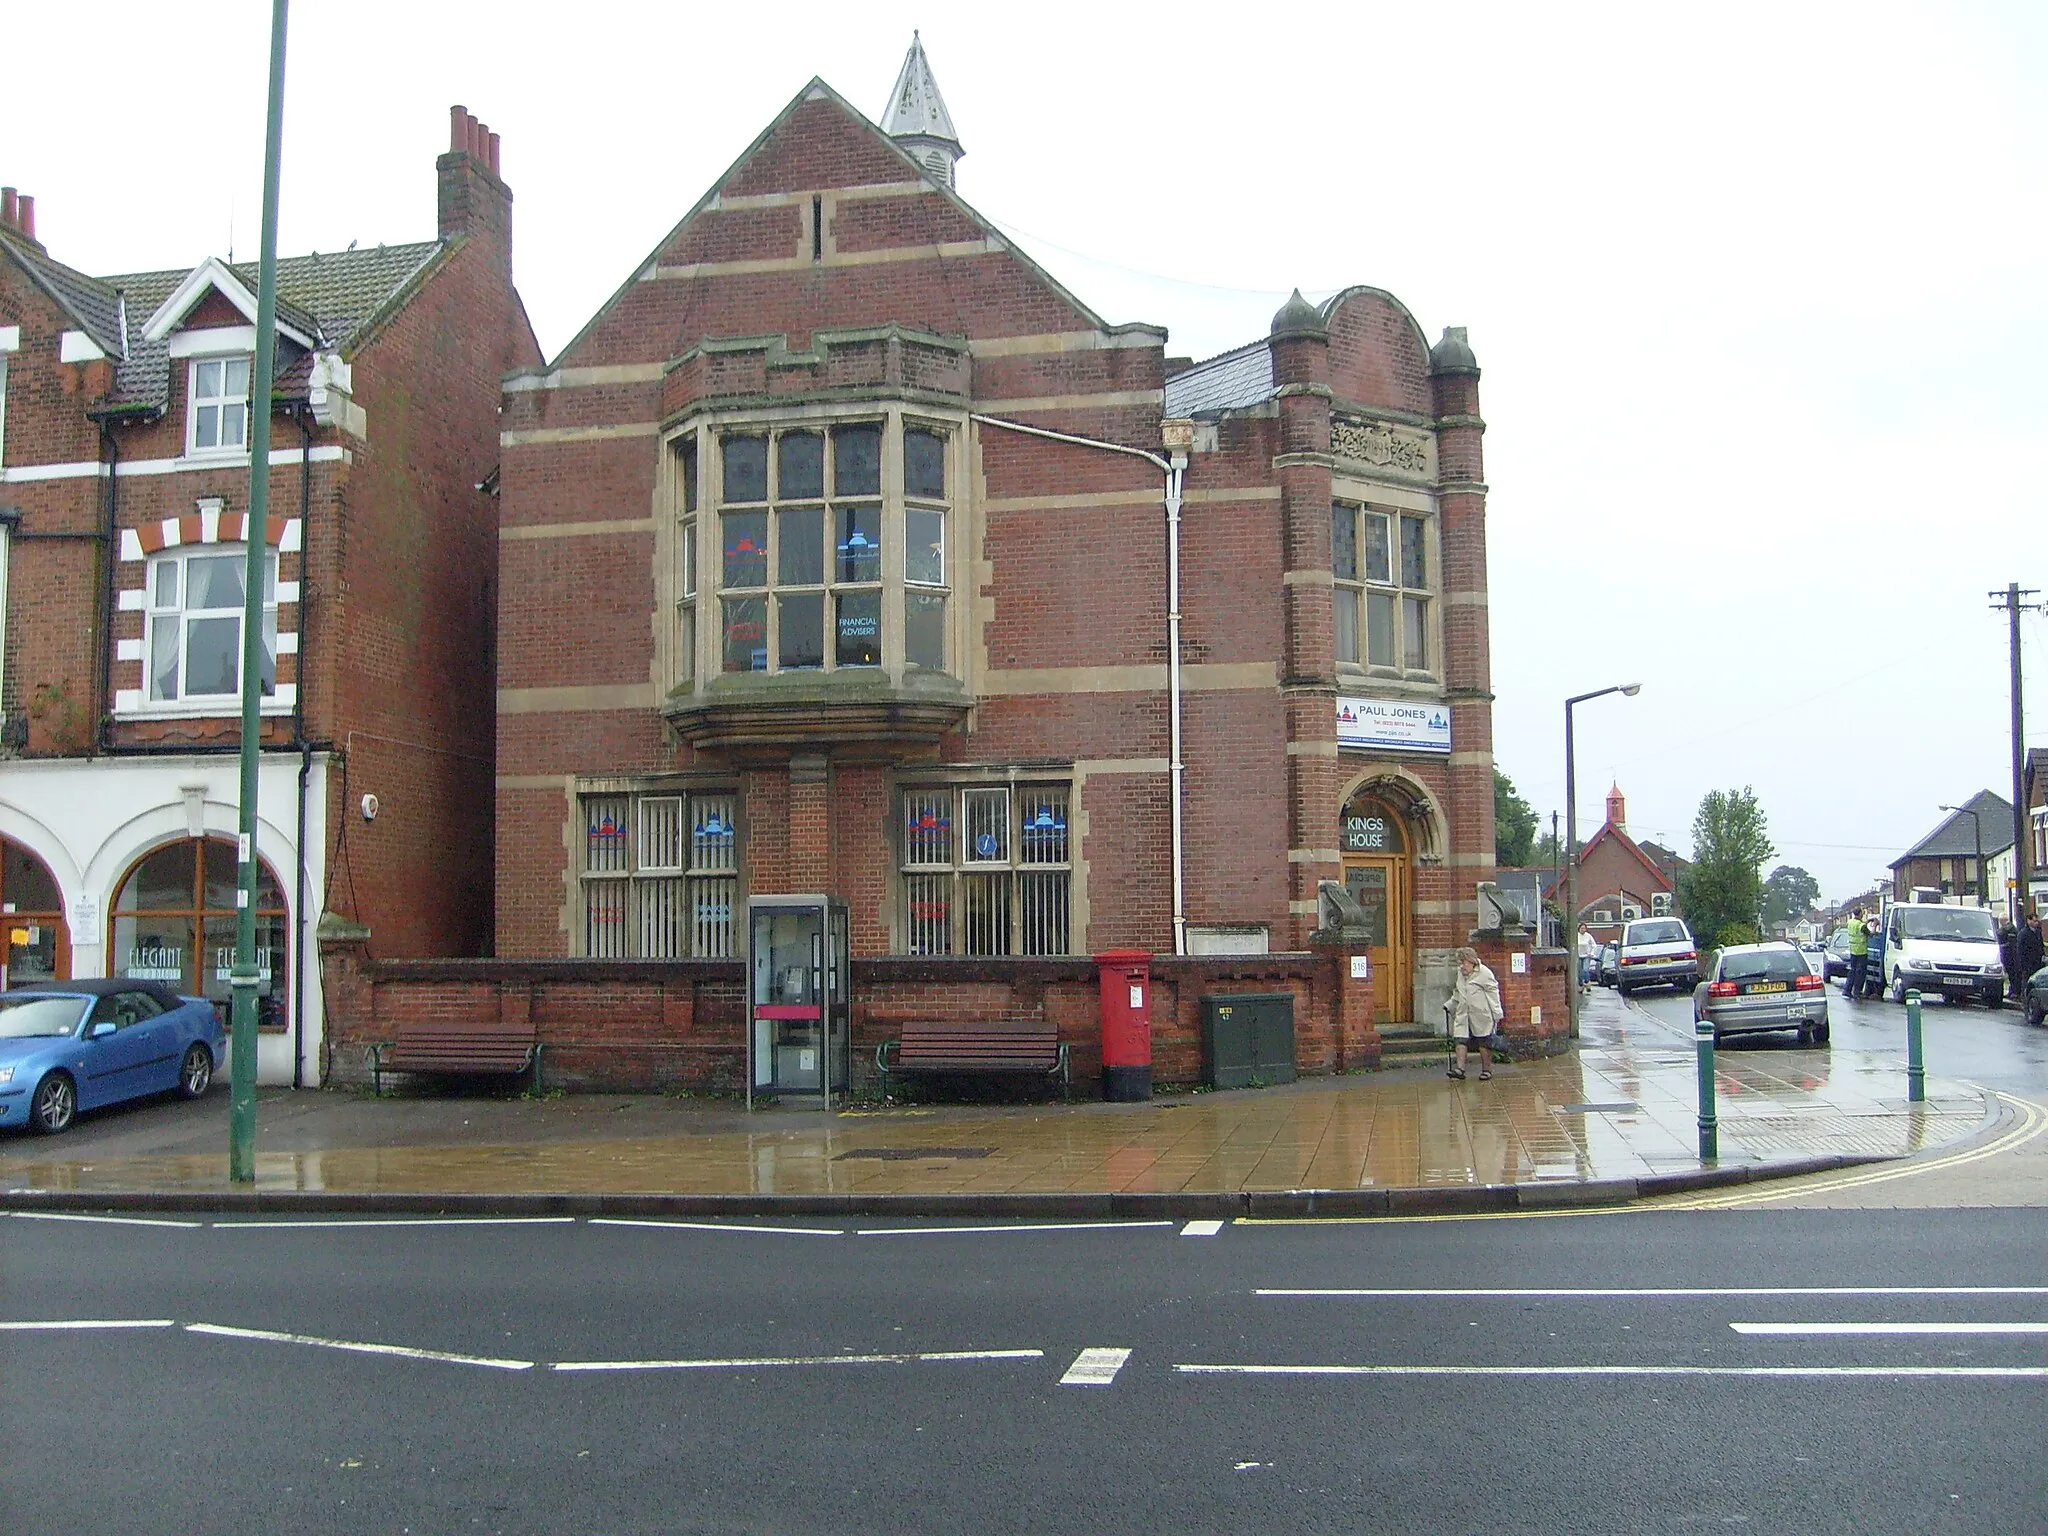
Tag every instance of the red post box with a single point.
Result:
(1126, 976)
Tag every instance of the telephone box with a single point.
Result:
(799, 998)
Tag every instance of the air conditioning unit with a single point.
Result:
(1630, 913)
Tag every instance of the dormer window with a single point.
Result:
(218, 414)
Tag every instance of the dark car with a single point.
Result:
(2035, 998)
(1762, 988)
(72, 1045)
(1838, 954)
(1608, 970)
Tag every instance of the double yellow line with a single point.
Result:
(2033, 1120)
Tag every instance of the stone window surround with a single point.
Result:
(895, 411)
(1394, 500)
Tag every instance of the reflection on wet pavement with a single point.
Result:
(1621, 1107)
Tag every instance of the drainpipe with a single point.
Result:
(1179, 439)
(299, 937)
(103, 727)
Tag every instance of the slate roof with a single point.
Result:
(330, 296)
(1957, 837)
(1229, 381)
(88, 300)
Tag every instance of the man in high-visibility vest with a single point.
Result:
(1859, 954)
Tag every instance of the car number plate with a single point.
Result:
(1764, 986)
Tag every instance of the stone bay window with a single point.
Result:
(814, 577)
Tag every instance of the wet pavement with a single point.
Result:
(1614, 1118)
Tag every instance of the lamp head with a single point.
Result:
(1630, 690)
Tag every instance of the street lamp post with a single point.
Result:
(1977, 829)
(1571, 844)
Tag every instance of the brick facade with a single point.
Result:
(383, 429)
(827, 281)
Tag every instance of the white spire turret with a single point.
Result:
(917, 118)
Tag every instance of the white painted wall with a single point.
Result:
(90, 821)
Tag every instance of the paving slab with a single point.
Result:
(1610, 1121)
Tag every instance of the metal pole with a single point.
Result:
(1916, 1068)
(1710, 1123)
(2012, 600)
(246, 976)
(1571, 867)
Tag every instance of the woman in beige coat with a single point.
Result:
(1475, 1012)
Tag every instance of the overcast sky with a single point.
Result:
(1757, 291)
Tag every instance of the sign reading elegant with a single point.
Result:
(1393, 723)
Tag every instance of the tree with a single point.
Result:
(1723, 891)
(1547, 853)
(1788, 895)
(1514, 824)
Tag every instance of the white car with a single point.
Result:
(1657, 952)
(1931, 948)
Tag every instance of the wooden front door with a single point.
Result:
(1379, 884)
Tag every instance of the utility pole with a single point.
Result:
(246, 976)
(2012, 603)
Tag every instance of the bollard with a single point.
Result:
(1916, 1068)
(1710, 1125)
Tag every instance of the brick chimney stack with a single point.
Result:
(474, 200)
(18, 213)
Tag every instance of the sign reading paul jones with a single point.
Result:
(1403, 725)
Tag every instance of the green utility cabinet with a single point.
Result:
(1247, 1038)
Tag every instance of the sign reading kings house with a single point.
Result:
(1404, 726)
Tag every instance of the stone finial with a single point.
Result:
(1298, 317)
(1453, 354)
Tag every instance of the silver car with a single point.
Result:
(1758, 988)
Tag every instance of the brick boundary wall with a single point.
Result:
(669, 1026)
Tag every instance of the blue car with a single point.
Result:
(72, 1045)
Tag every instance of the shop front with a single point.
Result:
(128, 868)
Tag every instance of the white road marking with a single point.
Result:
(767, 1361)
(2030, 1371)
(1045, 1226)
(112, 1221)
(1698, 1290)
(1201, 1229)
(352, 1346)
(406, 1221)
(60, 1325)
(1095, 1367)
(716, 1226)
(1802, 1329)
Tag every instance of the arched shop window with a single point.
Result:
(174, 922)
(38, 942)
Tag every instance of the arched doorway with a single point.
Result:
(38, 944)
(1378, 869)
(173, 921)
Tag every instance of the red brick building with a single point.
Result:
(1620, 879)
(124, 483)
(844, 551)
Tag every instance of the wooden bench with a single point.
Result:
(1004, 1045)
(457, 1050)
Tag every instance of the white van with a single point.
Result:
(1950, 950)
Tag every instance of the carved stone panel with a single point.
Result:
(1379, 446)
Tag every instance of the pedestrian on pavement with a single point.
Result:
(1859, 954)
(1475, 1012)
(1589, 955)
(2033, 953)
